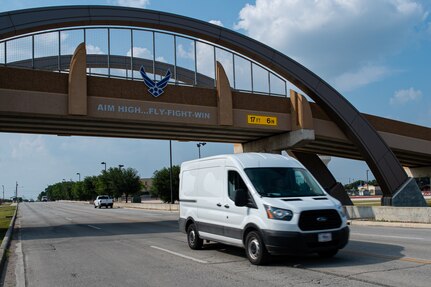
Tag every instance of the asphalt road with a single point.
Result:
(66, 244)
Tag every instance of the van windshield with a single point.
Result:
(283, 182)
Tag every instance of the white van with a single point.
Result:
(266, 203)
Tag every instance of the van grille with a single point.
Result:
(319, 219)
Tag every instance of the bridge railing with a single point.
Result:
(119, 52)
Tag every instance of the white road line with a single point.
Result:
(19, 264)
(95, 227)
(179, 254)
(389, 236)
(67, 218)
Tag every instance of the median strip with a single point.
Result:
(179, 254)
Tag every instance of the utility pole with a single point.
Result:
(16, 192)
(3, 193)
(170, 170)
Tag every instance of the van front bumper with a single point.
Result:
(287, 242)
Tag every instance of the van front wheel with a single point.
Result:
(193, 238)
(255, 249)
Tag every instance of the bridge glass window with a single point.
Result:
(97, 49)
(142, 53)
(70, 39)
(242, 74)
(165, 56)
(2, 59)
(46, 45)
(277, 85)
(185, 54)
(205, 62)
(260, 79)
(19, 51)
(226, 59)
(120, 45)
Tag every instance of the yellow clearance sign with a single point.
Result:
(261, 120)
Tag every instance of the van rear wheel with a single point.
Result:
(255, 249)
(193, 239)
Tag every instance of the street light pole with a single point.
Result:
(3, 193)
(120, 166)
(367, 178)
(104, 164)
(170, 170)
(199, 148)
(79, 176)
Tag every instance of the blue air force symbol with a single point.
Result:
(155, 88)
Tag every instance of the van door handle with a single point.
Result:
(219, 204)
(226, 205)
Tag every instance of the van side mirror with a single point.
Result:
(241, 197)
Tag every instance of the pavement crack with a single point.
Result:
(386, 270)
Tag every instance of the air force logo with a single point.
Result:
(155, 88)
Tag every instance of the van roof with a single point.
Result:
(252, 159)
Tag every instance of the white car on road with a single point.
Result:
(103, 200)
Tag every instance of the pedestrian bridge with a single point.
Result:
(76, 71)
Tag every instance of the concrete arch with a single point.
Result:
(382, 161)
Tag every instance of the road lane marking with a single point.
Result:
(389, 236)
(19, 264)
(179, 254)
(95, 227)
(67, 218)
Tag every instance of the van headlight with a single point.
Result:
(340, 209)
(278, 213)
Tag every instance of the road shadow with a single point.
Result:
(98, 229)
(368, 253)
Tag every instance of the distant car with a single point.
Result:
(103, 200)
(44, 198)
(31, 200)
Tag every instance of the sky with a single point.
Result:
(376, 53)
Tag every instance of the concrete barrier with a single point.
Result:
(149, 205)
(389, 213)
(7, 239)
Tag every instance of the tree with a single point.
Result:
(89, 188)
(162, 184)
(117, 181)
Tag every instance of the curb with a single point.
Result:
(6, 240)
(388, 224)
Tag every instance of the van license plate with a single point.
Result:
(324, 237)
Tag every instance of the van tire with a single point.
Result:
(255, 249)
(328, 253)
(193, 239)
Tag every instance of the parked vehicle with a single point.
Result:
(44, 198)
(103, 200)
(265, 203)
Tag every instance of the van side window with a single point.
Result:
(234, 182)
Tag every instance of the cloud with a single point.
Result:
(335, 37)
(403, 96)
(365, 75)
(28, 146)
(139, 52)
(133, 3)
(217, 22)
(91, 49)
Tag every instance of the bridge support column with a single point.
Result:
(408, 195)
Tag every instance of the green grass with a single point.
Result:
(6, 214)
